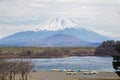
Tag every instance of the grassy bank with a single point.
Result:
(45, 52)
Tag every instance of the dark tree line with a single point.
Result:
(46, 52)
(15, 70)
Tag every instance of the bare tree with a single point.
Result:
(10, 69)
(3, 70)
(25, 67)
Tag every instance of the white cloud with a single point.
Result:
(108, 34)
(6, 30)
(33, 8)
(100, 14)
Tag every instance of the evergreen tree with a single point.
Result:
(116, 61)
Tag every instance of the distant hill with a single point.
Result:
(60, 40)
(108, 48)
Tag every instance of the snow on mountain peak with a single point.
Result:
(57, 23)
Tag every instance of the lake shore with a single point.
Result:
(49, 75)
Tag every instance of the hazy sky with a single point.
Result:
(100, 15)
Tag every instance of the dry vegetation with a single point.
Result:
(40, 52)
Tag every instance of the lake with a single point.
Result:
(76, 63)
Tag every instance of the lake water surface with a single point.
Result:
(76, 63)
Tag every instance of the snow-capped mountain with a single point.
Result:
(59, 23)
(56, 24)
(55, 32)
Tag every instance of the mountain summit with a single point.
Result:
(58, 32)
(56, 24)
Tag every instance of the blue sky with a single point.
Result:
(20, 15)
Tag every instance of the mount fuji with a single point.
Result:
(56, 32)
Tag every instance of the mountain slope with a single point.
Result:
(52, 30)
(59, 40)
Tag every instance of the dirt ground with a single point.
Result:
(79, 76)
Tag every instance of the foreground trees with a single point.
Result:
(116, 64)
(116, 61)
(15, 70)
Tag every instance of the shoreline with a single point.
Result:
(51, 75)
(55, 57)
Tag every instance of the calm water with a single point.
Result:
(76, 63)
